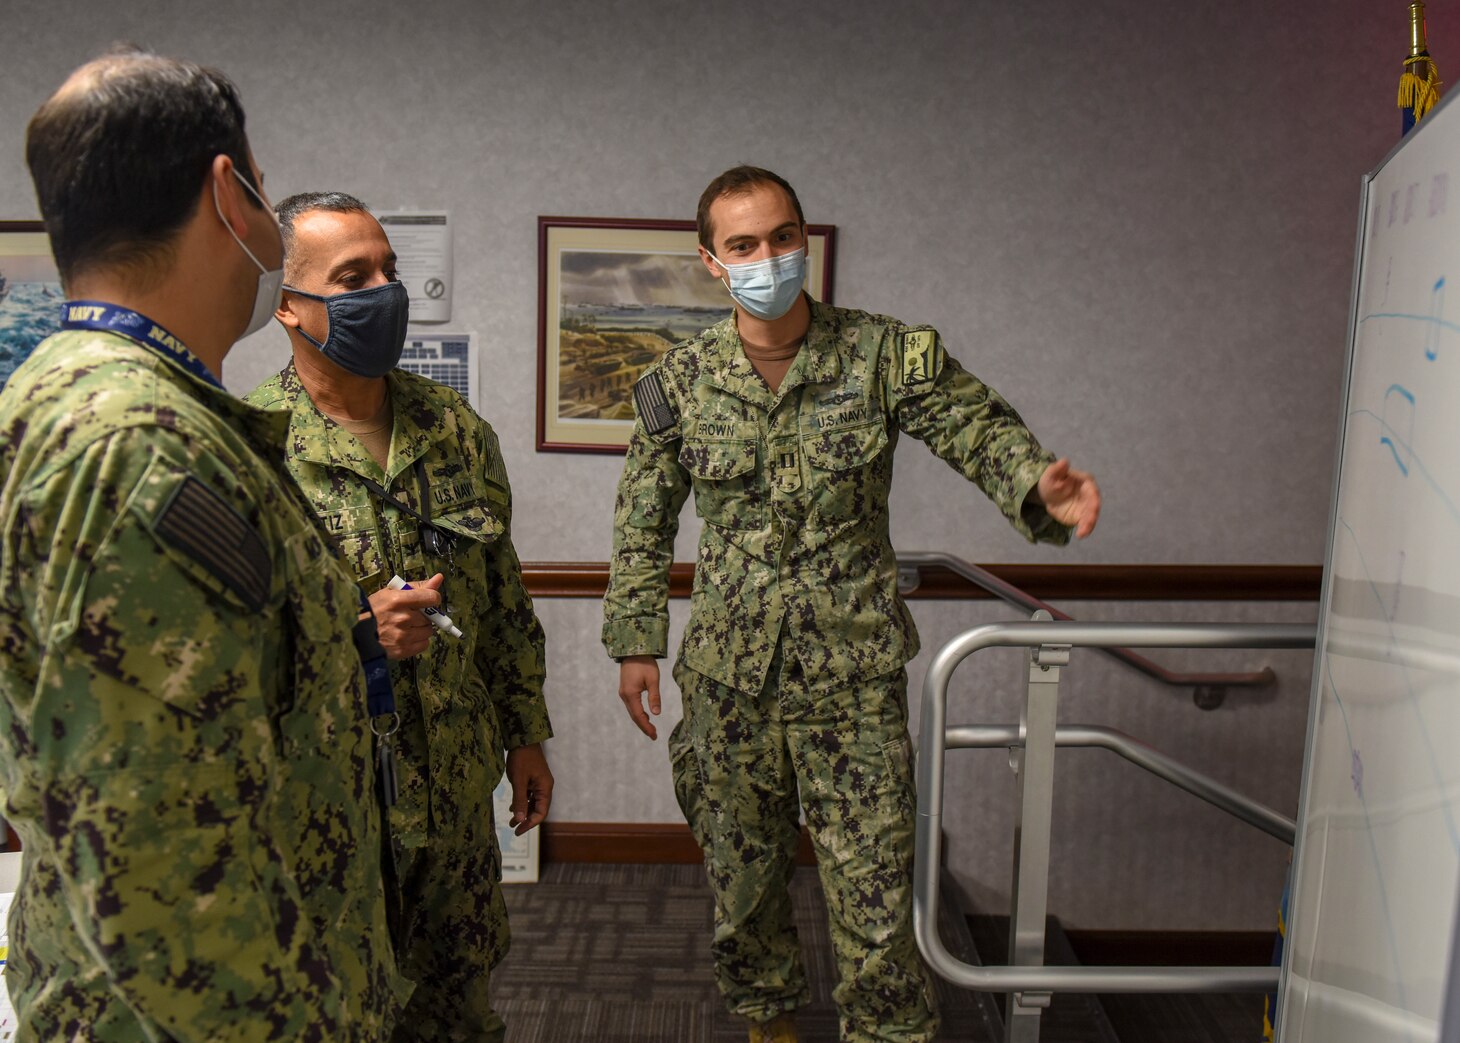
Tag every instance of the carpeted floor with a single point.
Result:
(620, 954)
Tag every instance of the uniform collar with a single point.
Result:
(731, 370)
(417, 423)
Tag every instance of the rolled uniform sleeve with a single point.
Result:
(651, 494)
(968, 425)
(511, 652)
(148, 760)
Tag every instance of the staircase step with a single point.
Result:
(979, 1020)
(1070, 1017)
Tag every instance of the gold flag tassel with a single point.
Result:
(1419, 95)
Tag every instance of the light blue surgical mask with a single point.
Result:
(769, 287)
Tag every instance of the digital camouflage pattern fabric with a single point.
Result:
(464, 701)
(793, 489)
(848, 754)
(184, 747)
(791, 664)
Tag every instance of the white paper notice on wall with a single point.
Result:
(447, 358)
(7, 1012)
(422, 243)
(519, 854)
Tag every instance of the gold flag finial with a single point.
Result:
(1419, 85)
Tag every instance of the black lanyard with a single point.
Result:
(435, 539)
(382, 704)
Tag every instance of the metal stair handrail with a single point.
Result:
(1020, 598)
(1088, 736)
(1050, 642)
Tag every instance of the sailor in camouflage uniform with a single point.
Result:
(409, 481)
(184, 742)
(782, 421)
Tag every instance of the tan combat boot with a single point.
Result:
(777, 1030)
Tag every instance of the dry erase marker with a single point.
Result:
(435, 615)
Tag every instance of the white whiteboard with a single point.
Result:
(1372, 917)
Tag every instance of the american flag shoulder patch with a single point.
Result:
(496, 467)
(653, 404)
(202, 525)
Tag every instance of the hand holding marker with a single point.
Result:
(441, 620)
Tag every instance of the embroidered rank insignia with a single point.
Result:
(205, 527)
(653, 405)
(920, 362)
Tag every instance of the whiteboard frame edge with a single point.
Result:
(1450, 1011)
(1315, 696)
(1405, 140)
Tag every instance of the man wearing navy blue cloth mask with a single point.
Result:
(410, 483)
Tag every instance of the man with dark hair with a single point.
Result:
(411, 484)
(741, 180)
(108, 199)
(782, 421)
(185, 745)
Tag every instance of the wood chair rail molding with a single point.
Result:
(588, 579)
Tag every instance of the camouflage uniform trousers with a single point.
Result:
(453, 921)
(739, 760)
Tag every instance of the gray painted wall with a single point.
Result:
(1135, 220)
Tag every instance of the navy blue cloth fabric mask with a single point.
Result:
(367, 328)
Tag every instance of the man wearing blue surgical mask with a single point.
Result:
(409, 481)
(782, 420)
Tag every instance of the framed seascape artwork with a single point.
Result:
(30, 292)
(614, 295)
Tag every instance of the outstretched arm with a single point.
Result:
(975, 431)
(1071, 497)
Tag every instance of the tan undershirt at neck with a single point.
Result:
(373, 433)
(773, 363)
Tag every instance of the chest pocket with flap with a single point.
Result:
(729, 489)
(847, 477)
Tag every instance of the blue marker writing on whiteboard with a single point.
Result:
(435, 615)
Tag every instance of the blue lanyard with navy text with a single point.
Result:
(98, 315)
(379, 700)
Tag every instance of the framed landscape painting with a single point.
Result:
(614, 295)
(30, 293)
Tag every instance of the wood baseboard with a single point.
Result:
(633, 843)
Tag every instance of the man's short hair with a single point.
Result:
(303, 202)
(118, 156)
(734, 181)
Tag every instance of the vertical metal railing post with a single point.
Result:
(1034, 765)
